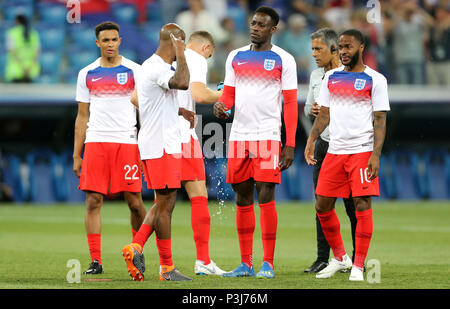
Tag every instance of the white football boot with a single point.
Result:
(356, 274)
(211, 269)
(334, 266)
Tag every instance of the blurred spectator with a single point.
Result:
(337, 14)
(409, 34)
(23, 49)
(217, 8)
(438, 65)
(308, 8)
(358, 20)
(197, 18)
(295, 40)
(235, 40)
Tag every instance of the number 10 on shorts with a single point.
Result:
(364, 173)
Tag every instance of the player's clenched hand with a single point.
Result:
(286, 158)
(188, 115)
(77, 161)
(315, 109)
(309, 153)
(220, 111)
(373, 166)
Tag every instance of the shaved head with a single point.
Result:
(168, 29)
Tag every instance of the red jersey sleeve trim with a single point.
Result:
(290, 115)
(227, 96)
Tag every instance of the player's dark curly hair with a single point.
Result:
(107, 25)
(354, 33)
(271, 12)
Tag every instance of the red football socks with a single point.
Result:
(165, 251)
(363, 234)
(142, 235)
(332, 230)
(269, 222)
(133, 232)
(201, 225)
(94, 242)
(245, 222)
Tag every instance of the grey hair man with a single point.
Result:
(325, 52)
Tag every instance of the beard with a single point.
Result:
(353, 60)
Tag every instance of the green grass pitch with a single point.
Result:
(411, 241)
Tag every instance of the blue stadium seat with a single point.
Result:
(16, 175)
(290, 179)
(305, 173)
(150, 31)
(74, 195)
(12, 9)
(434, 160)
(155, 13)
(129, 53)
(2, 64)
(82, 37)
(124, 13)
(386, 181)
(216, 171)
(51, 37)
(239, 17)
(48, 78)
(52, 13)
(405, 166)
(50, 61)
(447, 173)
(78, 59)
(42, 185)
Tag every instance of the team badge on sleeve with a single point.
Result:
(269, 64)
(122, 78)
(359, 84)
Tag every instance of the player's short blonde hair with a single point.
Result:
(202, 35)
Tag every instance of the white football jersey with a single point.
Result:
(352, 99)
(259, 77)
(158, 110)
(108, 90)
(198, 70)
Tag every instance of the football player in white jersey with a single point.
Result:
(160, 149)
(353, 102)
(324, 46)
(106, 128)
(199, 48)
(258, 76)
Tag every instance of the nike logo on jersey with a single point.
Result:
(335, 81)
(239, 63)
(96, 79)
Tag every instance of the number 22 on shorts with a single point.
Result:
(131, 172)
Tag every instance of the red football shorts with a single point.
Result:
(112, 166)
(192, 164)
(164, 172)
(342, 174)
(253, 159)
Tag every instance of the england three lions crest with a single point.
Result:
(359, 84)
(122, 78)
(269, 64)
